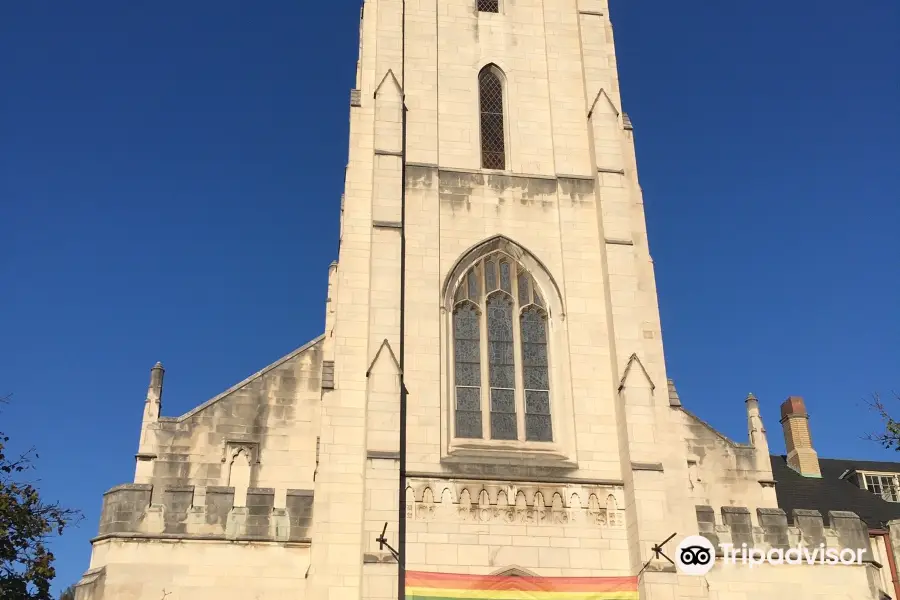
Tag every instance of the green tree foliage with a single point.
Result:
(26, 524)
(889, 437)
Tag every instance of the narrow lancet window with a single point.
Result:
(493, 137)
(467, 344)
(536, 376)
(502, 365)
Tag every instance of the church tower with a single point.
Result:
(493, 264)
(537, 396)
(494, 268)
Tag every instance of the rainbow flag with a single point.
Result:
(445, 586)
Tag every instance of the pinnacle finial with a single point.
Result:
(157, 373)
(750, 396)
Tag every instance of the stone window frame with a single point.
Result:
(501, 74)
(497, 281)
(559, 452)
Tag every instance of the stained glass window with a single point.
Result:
(502, 367)
(472, 279)
(498, 321)
(524, 297)
(493, 139)
(467, 345)
(505, 283)
(490, 275)
(535, 375)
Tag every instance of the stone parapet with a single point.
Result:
(187, 512)
(770, 529)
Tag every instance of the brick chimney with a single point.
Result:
(800, 454)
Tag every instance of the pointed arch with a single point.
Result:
(634, 358)
(575, 501)
(506, 383)
(392, 82)
(513, 571)
(391, 356)
(501, 301)
(521, 502)
(605, 104)
(500, 340)
(545, 281)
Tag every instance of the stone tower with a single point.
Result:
(533, 342)
(490, 157)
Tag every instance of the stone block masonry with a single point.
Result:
(128, 513)
(771, 529)
(227, 498)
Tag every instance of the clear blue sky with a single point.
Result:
(170, 175)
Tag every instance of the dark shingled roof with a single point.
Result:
(833, 493)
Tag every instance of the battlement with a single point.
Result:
(188, 512)
(735, 525)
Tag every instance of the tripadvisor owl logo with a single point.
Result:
(695, 555)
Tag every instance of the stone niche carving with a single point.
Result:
(538, 504)
(233, 447)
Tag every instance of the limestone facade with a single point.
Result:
(279, 487)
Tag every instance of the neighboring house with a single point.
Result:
(546, 450)
(869, 489)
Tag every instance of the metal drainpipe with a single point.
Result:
(889, 550)
(401, 522)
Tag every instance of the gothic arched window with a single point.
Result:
(493, 137)
(489, 6)
(501, 367)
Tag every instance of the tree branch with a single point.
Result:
(890, 436)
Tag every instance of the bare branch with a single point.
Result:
(890, 436)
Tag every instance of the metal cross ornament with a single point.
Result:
(657, 550)
(382, 543)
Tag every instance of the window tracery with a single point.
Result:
(501, 362)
